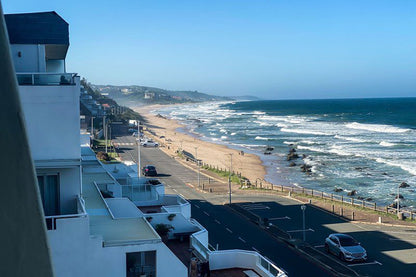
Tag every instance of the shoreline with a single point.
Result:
(249, 165)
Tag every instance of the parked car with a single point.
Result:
(149, 143)
(345, 247)
(149, 170)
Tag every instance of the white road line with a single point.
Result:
(254, 248)
(206, 213)
(181, 195)
(278, 218)
(403, 239)
(240, 238)
(301, 230)
(217, 221)
(174, 190)
(196, 206)
(319, 246)
(229, 230)
(375, 262)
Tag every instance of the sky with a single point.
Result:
(272, 49)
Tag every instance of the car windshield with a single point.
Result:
(347, 241)
(151, 167)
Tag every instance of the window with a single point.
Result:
(49, 192)
(141, 264)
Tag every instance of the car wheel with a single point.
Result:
(341, 256)
(326, 248)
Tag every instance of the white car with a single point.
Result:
(149, 143)
(345, 247)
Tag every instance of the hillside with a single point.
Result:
(126, 95)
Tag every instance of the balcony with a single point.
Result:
(46, 79)
(81, 213)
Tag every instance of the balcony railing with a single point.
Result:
(51, 220)
(46, 79)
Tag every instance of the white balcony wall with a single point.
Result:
(52, 120)
(75, 253)
(30, 59)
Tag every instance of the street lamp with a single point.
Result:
(229, 176)
(139, 172)
(92, 127)
(197, 162)
(398, 202)
(303, 208)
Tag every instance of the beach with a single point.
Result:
(249, 165)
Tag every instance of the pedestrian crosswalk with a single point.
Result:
(124, 143)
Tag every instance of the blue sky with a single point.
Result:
(270, 49)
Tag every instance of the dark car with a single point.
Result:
(149, 170)
(345, 247)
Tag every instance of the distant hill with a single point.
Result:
(128, 95)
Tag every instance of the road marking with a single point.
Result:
(250, 207)
(181, 195)
(196, 206)
(229, 230)
(375, 262)
(174, 190)
(403, 239)
(319, 246)
(279, 218)
(254, 248)
(217, 221)
(301, 230)
(206, 213)
(240, 238)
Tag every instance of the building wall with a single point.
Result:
(52, 120)
(76, 253)
(55, 66)
(32, 57)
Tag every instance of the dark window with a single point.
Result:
(347, 241)
(141, 264)
(49, 192)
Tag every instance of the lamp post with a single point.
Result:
(197, 162)
(303, 208)
(229, 176)
(139, 171)
(398, 202)
(92, 127)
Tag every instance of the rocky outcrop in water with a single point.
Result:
(292, 155)
(404, 185)
(352, 193)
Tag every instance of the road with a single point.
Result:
(390, 249)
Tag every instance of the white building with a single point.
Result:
(90, 235)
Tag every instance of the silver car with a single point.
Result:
(345, 247)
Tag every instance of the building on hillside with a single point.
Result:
(101, 220)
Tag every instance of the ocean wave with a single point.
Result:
(350, 139)
(224, 137)
(314, 149)
(261, 138)
(308, 142)
(406, 167)
(387, 144)
(306, 132)
(233, 134)
(336, 149)
(290, 142)
(379, 128)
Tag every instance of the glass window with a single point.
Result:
(49, 192)
(141, 264)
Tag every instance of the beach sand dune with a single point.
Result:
(249, 165)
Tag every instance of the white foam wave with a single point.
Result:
(350, 139)
(261, 138)
(307, 132)
(233, 134)
(224, 137)
(290, 142)
(314, 149)
(387, 144)
(307, 142)
(379, 128)
(406, 167)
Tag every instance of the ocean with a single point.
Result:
(367, 145)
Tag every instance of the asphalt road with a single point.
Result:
(391, 250)
(226, 229)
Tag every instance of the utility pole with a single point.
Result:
(105, 133)
(303, 208)
(92, 127)
(197, 162)
(139, 170)
(229, 176)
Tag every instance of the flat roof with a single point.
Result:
(115, 232)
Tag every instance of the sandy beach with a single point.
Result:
(249, 165)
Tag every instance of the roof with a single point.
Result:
(37, 28)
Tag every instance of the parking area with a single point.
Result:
(389, 248)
